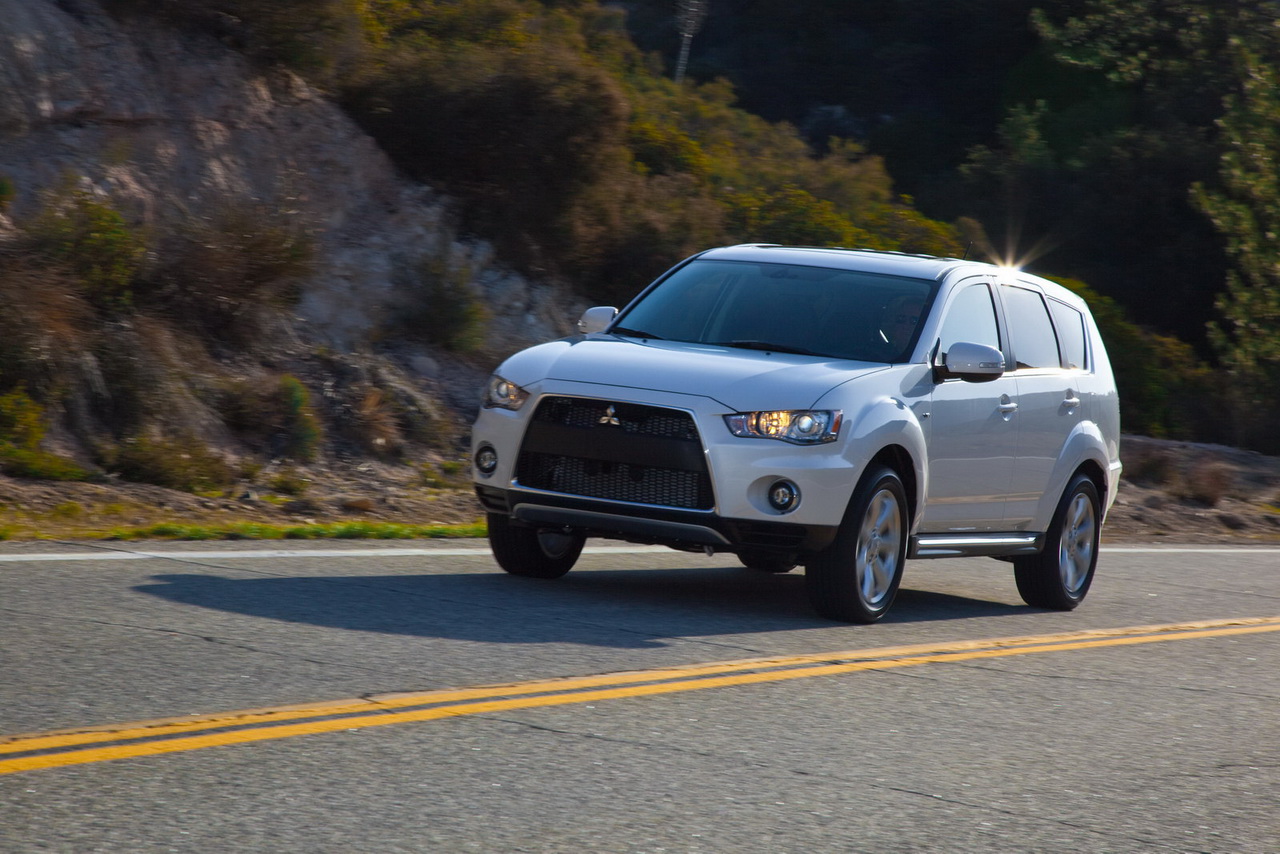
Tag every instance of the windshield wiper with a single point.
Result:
(634, 333)
(766, 345)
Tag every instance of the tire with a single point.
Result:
(763, 561)
(532, 552)
(1059, 577)
(856, 578)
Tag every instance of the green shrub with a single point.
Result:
(222, 269)
(302, 431)
(274, 413)
(531, 124)
(322, 39)
(663, 150)
(22, 427)
(21, 420)
(793, 216)
(450, 474)
(40, 465)
(182, 463)
(447, 311)
(289, 482)
(68, 510)
(93, 240)
(319, 38)
(7, 192)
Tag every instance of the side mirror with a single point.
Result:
(974, 363)
(596, 319)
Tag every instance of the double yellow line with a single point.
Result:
(34, 751)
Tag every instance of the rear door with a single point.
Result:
(1050, 403)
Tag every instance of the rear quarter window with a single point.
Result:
(1071, 334)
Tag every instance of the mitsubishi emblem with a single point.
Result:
(610, 417)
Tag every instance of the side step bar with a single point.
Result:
(974, 545)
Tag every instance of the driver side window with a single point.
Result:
(970, 318)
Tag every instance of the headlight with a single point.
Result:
(798, 426)
(504, 394)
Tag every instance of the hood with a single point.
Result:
(742, 380)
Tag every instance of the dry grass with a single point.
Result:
(378, 425)
(45, 323)
(1206, 481)
(225, 273)
(1153, 466)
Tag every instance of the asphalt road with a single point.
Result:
(350, 697)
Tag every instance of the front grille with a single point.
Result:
(631, 418)
(615, 451)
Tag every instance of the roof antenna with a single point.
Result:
(966, 251)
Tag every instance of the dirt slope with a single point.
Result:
(1173, 492)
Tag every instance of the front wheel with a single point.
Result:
(1059, 577)
(532, 552)
(856, 578)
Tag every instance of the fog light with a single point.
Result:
(486, 459)
(784, 496)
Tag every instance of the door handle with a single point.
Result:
(1071, 401)
(1007, 405)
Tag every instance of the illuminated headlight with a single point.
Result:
(801, 427)
(504, 394)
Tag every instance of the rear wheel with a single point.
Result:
(1059, 577)
(532, 552)
(856, 578)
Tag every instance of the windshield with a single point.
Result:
(841, 314)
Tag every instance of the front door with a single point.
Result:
(973, 428)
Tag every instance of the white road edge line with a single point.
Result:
(1174, 550)
(481, 551)
(261, 554)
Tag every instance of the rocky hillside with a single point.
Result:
(173, 128)
(173, 131)
(1173, 492)
(171, 125)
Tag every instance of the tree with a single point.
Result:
(1246, 211)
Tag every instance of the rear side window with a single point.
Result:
(1030, 331)
(1071, 334)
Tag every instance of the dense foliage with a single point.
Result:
(104, 327)
(1129, 144)
(565, 145)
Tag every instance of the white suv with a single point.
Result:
(844, 410)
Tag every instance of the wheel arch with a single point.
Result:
(1096, 473)
(899, 459)
(1084, 452)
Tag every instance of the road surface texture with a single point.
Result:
(410, 697)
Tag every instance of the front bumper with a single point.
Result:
(736, 473)
(680, 529)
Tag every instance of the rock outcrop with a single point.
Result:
(170, 123)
